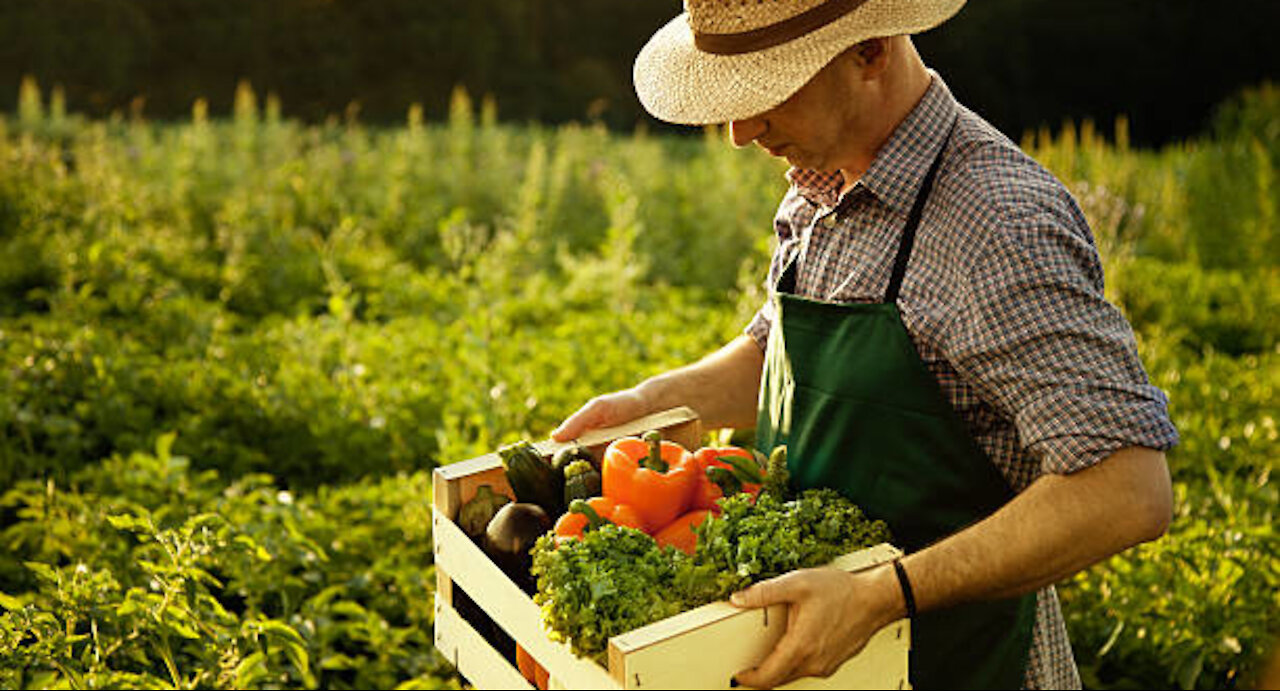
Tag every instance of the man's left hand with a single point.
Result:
(831, 615)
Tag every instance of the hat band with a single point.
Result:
(776, 34)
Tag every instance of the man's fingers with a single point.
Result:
(784, 588)
(576, 424)
(776, 669)
(601, 411)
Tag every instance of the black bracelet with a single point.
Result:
(906, 589)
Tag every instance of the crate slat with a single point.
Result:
(468, 651)
(677, 424)
(666, 654)
(497, 595)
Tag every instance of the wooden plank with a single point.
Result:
(739, 643)
(462, 645)
(444, 502)
(883, 664)
(444, 492)
(866, 558)
(461, 469)
(498, 596)
(713, 613)
(671, 652)
(678, 424)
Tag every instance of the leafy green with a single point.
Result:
(770, 537)
(617, 579)
(611, 581)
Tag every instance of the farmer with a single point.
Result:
(935, 345)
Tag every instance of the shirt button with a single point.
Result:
(829, 221)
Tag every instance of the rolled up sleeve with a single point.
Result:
(758, 327)
(1036, 336)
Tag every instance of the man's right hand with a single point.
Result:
(606, 410)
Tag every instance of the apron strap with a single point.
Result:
(787, 281)
(913, 222)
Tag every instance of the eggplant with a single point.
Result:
(511, 535)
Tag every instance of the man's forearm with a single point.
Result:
(1056, 527)
(723, 387)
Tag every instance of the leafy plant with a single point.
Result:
(150, 576)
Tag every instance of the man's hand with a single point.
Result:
(831, 615)
(607, 410)
(722, 387)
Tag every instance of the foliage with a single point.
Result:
(144, 574)
(322, 313)
(287, 299)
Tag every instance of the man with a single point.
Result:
(936, 344)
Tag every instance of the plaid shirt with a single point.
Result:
(1003, 297)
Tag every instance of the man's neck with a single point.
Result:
(902, 93)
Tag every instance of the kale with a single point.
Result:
(769, 537)
(609, 582)
(614, 579)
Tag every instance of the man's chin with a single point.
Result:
(796, 159)
(804, 162)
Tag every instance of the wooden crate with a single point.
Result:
(701, 648)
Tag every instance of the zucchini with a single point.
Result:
(532, 478)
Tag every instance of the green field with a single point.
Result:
(231, 350)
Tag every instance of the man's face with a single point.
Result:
(816, 127)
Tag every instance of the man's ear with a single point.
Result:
(871, 56)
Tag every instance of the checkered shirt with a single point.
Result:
(1003, 298)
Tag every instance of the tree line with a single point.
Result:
(1024, 64)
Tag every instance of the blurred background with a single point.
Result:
(264, 264)
(1023, 64)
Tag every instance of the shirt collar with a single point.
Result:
(900, 166)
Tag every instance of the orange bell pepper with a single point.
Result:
(679, 533)
(655, 477)
(737, 470)
(592, 513)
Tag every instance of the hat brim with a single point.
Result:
(681, 84)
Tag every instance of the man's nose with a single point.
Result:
(743, 132)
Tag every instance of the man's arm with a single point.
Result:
(1056, 527)
(722, 387)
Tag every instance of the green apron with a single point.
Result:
(844, 388)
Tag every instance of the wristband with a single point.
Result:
(906, 589)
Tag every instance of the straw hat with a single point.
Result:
(728, 60)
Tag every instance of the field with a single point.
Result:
(231, 350)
